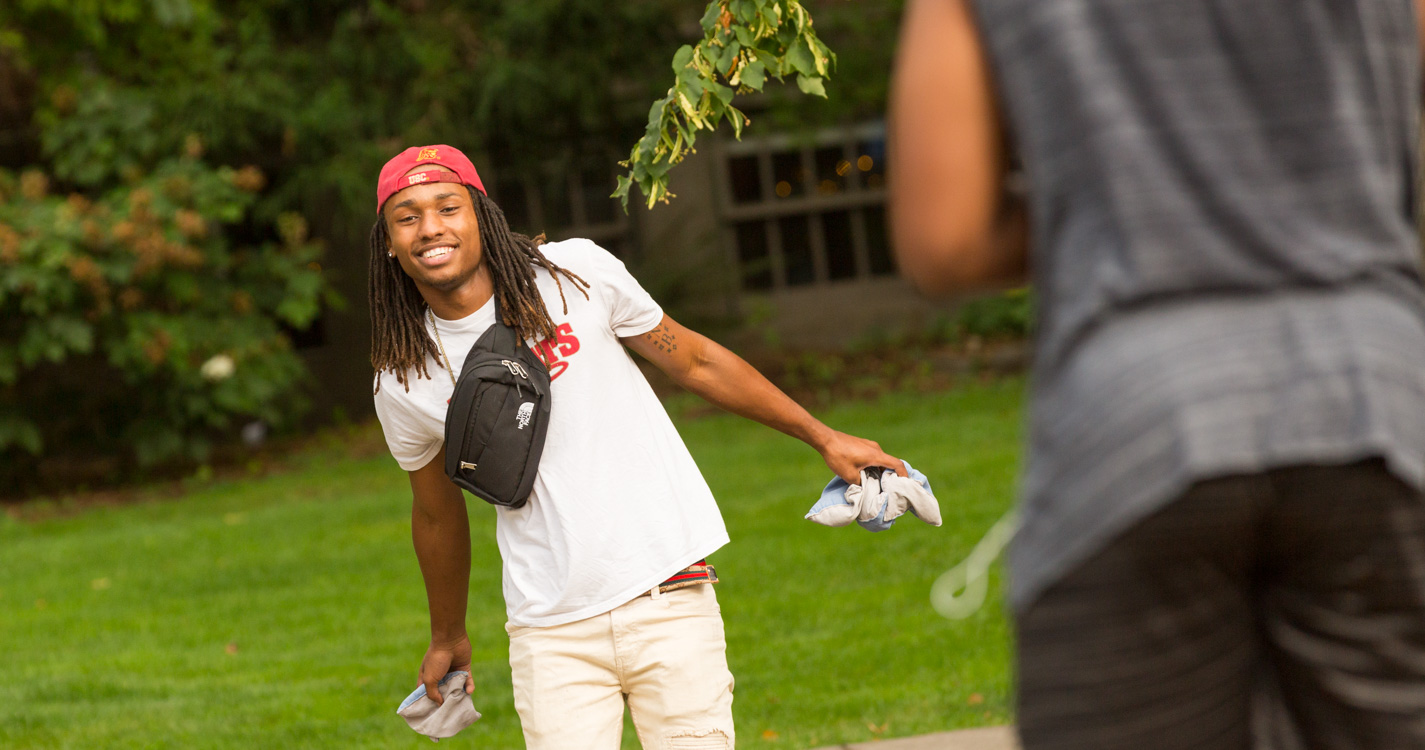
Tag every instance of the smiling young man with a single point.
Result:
(602, 566)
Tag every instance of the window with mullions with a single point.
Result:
(804, 213)
(565, 203)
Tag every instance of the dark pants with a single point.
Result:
(1281, 610)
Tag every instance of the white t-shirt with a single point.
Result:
(618, 504)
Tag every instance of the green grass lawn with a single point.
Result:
(287, 611)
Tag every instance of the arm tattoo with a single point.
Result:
(663, 338)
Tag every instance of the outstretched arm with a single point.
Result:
(709, 370)
(440, 529)
(953, 225)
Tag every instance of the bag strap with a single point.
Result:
(502, 339)
(505, 340)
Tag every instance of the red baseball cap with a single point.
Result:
(394, 178)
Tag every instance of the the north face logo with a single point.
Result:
(526, 409)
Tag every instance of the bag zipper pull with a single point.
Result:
(517, 370)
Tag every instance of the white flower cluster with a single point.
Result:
(220, 367)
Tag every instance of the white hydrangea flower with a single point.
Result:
(220, 367)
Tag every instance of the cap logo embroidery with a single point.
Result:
(417, 178)
(429, 153)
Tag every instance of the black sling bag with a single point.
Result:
(497, 418)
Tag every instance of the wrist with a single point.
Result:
(447, 637)
(818, 436)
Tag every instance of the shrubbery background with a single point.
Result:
(133, 327)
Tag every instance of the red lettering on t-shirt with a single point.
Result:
(545, 350)
(568, 344)
(553, 350)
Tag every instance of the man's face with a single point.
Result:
(434, 233)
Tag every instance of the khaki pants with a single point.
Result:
(664, 653)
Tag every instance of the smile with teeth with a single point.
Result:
(435, 252)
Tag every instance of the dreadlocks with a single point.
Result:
(399, 340)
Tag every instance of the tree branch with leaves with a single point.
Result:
(744, 42)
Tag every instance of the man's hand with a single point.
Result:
(442, 659)
(847, 455)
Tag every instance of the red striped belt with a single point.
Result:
(698, 572)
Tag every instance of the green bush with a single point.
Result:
(1006, 315)
(134, 328)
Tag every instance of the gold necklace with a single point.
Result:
(441, 345)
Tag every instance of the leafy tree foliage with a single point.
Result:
(744, 42)
(317, 93)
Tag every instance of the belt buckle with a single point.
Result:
(696, 574)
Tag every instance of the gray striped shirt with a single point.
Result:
(1224, 249)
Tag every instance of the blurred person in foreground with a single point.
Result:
(605, 585)
(1223, 532)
